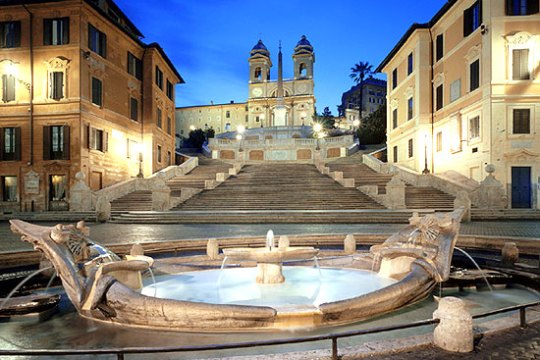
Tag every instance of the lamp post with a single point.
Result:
(317, 128)
(426, 170)
(239, 136)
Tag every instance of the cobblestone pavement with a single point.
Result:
(108, 233)
(515, 344)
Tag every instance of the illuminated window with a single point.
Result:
(10, 34)
(10, 142)
(57, 189)
(56, 31)
(521, 121)
(472, 18)
(8, 88)
(411, 148)
(9, 188)
(97, 41)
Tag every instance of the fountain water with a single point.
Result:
(477, 266)
(24, 281)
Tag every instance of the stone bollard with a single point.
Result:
(349, 244)
(212, 248)
(283, 242)
(510, 253)
(455, 329)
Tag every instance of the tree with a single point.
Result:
(359, 72)
(373, 128)
(326, 119)
(196, 138)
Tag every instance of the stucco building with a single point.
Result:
(297, 98)
(80, 93)
(464, 92)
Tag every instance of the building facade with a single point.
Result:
(81, 93)
(372, 93)
(464, 92)
(264, 98)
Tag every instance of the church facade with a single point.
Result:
(281, 102)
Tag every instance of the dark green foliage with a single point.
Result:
(373, 128)
(326, 119)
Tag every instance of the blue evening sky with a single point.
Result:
(209, 40)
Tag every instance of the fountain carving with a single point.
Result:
(104, 287)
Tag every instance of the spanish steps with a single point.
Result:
(415, 197)
(142, 200)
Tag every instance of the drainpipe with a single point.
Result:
(31, 109)
(141, 147)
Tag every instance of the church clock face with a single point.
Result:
(257, 91)
(302, 88)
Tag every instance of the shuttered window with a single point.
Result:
(8, 88)
(10, 143)
(520, 64)
(97, 91)
(439, 48)
(10, 34)
(56, 85)
(134, 66)
(439, 97)
(474, 74)
(472, 18)
(56, 140)
(97, 41)
(56, 31)
(134, 109)
(521, 121)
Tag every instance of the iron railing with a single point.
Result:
(121, 352)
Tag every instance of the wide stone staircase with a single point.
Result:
(142, 200)
(275, 193)
(415, 197)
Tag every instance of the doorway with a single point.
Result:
(521, 187)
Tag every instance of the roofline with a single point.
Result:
(155, 45)
(216, 105)
(442, 11)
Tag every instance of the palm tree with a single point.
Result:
(359, 72)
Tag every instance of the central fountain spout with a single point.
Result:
(270, 258)
(270, 240)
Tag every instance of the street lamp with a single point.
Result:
(139, 150)
(426, 170)
(239, 138)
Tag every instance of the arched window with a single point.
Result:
(302, 70)
(258, 74)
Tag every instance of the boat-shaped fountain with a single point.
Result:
(101, 286)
